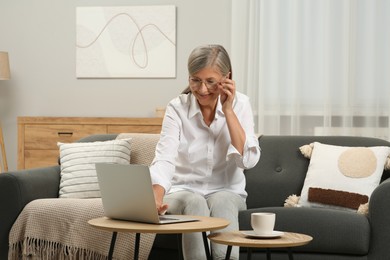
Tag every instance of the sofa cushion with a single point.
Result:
(143, 146)
(78, 173)
(342, 177)
(333, 231)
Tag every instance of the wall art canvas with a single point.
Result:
(126, 42)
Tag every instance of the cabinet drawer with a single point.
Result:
(117, 129)
(40, 158)
(45, 137)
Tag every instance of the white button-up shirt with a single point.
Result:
(192, 156)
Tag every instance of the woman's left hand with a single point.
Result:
(227, 88)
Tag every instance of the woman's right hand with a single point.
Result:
(159, 193)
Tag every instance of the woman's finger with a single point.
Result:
(163, 209)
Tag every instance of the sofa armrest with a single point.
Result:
(19, 188)
(379, 212)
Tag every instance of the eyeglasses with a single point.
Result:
(210, 84)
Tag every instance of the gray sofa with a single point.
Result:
(280, 172)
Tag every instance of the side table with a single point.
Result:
(237, 238)
(203, 225)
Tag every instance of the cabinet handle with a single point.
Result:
(65, 134)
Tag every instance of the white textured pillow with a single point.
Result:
(342, 177)
(143, 146)
(78, 173)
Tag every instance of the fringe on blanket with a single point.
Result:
(33, 248)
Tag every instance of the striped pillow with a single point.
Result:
(78, 174)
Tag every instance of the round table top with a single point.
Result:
(204, 224)
(237, 238)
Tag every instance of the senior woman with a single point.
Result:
(206, 142)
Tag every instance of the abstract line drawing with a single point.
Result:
(126, 42)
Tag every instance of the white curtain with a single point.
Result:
(317, 67)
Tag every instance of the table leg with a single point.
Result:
(268, 253)
(228, 252)
(136, 247)
(290, 254)
(112, 245)
(180, 245)
(206, 246)
(249, 253)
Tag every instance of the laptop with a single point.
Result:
(127, 194)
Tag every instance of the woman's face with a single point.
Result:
(204, 86)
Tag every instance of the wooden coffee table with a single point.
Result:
(236, 238)
(203, 225)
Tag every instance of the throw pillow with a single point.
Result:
(341, 177)
(78, 173)
(307, 149)
(143, 146)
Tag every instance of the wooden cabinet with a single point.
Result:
(38, 136)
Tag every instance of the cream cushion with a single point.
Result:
(143, 146)
(342, 177)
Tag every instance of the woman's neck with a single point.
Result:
(208, 113)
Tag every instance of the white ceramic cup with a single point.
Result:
(263, 222)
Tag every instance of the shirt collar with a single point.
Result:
(219, 108)
(195, 109)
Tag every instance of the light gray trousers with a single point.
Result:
(222, 204)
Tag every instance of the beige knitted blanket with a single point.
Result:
(58, 229)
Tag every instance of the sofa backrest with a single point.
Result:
(282, 168)
(279, 173)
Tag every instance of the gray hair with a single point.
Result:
(209, 56)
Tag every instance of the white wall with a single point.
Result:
(40, 38)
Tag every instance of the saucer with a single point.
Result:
(251, 233)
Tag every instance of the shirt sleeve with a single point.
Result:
(162, 168)
(250, 157)
(251, 152)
